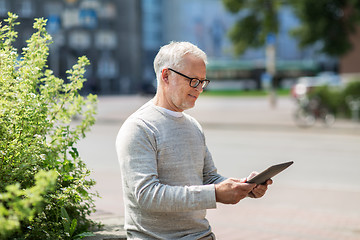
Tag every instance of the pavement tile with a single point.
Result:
(290, 212)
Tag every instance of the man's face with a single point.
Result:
(179, 94)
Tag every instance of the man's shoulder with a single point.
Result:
(193, 120)
(146, 114)
(138, 123)
(146, 111)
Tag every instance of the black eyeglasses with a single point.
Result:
(194, 82)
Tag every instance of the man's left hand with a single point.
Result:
(259, 190)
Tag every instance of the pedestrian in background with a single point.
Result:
(168, 175)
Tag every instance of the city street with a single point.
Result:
(316, 198)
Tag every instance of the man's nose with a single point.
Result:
(200, 88)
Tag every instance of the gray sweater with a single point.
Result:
(168, 175)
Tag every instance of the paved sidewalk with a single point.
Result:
(231, 111)
(315, 214)
(278, 218)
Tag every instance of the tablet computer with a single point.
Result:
(262, 177)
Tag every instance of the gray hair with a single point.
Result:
(172, 54)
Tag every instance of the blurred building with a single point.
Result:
(108, 32)
(152, 39)
(350, 63)
(206, 23)
(122, 37)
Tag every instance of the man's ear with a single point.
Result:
(165, 75)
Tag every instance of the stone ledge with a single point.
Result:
(113, 228)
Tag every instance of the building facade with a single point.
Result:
(122, 37)
(206, 23)
(108, 32)
(350, 63)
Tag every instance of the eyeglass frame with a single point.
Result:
(204, 82)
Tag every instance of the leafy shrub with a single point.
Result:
(22, 204)
(38, 132)
(350, 92)
(329, 97)
(337, 101)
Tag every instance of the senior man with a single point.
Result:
(169, 177)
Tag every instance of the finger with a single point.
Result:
(257, 193)
(260, 190)
(249, 185)
(262, 186)
(269, 182)
(252, 195)
(246, 187)
(237, 180)
(253, 174)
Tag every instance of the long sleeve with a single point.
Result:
(210, 172)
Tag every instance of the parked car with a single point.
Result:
(305, 84)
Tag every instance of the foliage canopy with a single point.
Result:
(328, 21)
(259, 18)
(331, 22)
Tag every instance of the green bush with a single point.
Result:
(38, 132)
(328, 96)
(17, 204)
(337, 100)
(350, 92)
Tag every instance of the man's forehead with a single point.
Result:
(191, 59)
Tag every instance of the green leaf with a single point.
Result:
(65, 219)
(84, 234)
(73, 226)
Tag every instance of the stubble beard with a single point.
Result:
(183, 104)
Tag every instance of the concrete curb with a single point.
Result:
(113, 228)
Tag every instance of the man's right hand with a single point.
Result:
(232, 190)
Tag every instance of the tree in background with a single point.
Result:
(328, 21)
(251, 30)
(258, 26)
